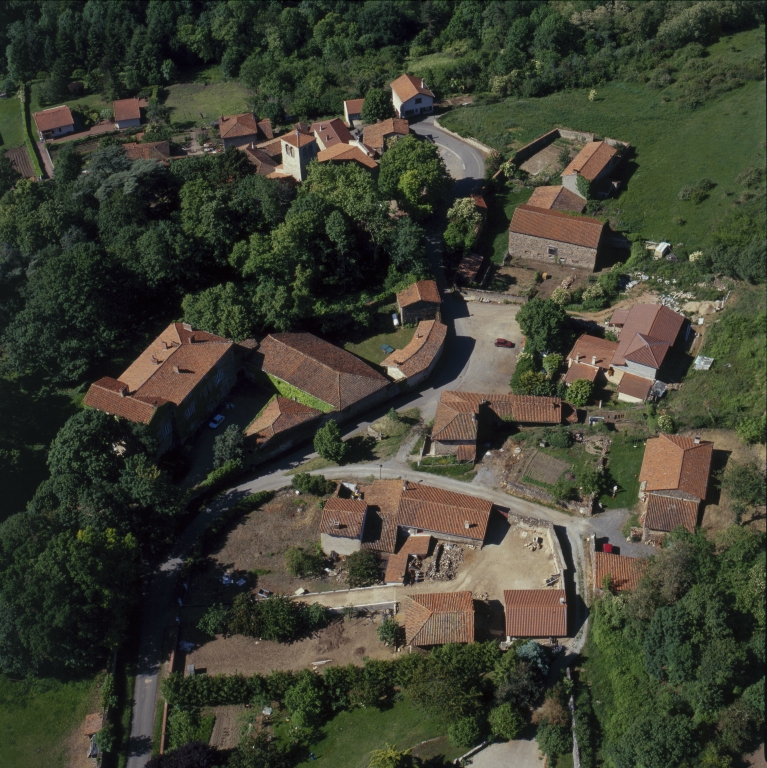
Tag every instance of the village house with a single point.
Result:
(590, 358)
(420, 356)
(535, 613)
(54, 122)
(174, 385)
(330, 133)
(624, 572)
(376, 135)
(594, 163)
(237, 130)
(553, 237)
(439, 618)
(403, 568)
(556, 199)
(411, 96)
(419, 301)
(342, 524)
(353, 110)
(673, 481)
(262, 160)
(279, 425)
(460, 415)
(326, 372)
(127, 113)
(153, 150)
(347, 153)
(298, 150)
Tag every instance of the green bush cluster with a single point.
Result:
(316, 485)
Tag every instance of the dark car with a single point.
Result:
(504, 343)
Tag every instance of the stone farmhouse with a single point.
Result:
(281, 423)
(594, 163)
(174, 385)
(353, 110)
(419, 301)
(411, 96)
(127, 113)
(591, 359)
(54, 122)
(461, 415)
(261, 159)
(347, 153)
(326, 372)
(673, 481)
(553, 237)
(436, 619)
(535, 613)
(342, 524)
(238, 130)
(420, 356)
(376, 135)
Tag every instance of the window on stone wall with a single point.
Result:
(553, 252)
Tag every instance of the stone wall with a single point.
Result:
(421, 310)
(536, 249)
(536, 145)
(491, 297)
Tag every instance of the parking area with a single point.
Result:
(521, 753)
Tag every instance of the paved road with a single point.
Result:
(460, 365)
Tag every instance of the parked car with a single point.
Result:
(216, 421)
(504, 343)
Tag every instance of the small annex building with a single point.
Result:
(153, 150)
(556, 199)
(420, 356)
(419, 301)
(347, 153)
(411, 96)
(439, 618)
(535, 613)
(594, 163)
(674, 480)
(353, 110)
(376, 135)
(554, 237)
(342, 524)
(282, 422)
(261, 159)
(127, 113)
(624, 572)
(54, 122)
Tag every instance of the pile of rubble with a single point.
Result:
(444, 564)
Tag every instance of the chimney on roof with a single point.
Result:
(404, 485)
(561, 600)
(336, 524)
(593, 359)
(123, 391)
(186, 326)
(473, 416)
(466, 524)
(577, 357)
(175, 369)
(696, 441)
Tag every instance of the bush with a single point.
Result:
(219, 477)
(362, 568)
(316, 485)
(666, 424)
(752, 429)
(304, 562)
(465, 732)
(328, 443)
(554, 740)
(390, 632)
(579, 392)
(561, 296)
(215, 620)
(506, 722)
(229, 446)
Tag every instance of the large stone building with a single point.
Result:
(298, 150)
(553, 237)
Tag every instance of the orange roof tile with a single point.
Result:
(664, 513)
(443, 617)
(420, 352)
(354, 106)
(580, 371)
(674, 463)
(423, 290)
(126, 109)
(343, 517)
(325, 371)
(233, 126)
(279, 415)
(406, 86)
(331, 132)
(263, 161)
(557, 199)
(153, 150)
(374, 135)
(634, 386)
(619, 317)
(397, 565)
(591, 160)
(657, 324)
(554, 225)
(535, 612)
(587, 347)
(345, 153)
(382, 497)
(469, 267)
(50, 119)
(298, 139)
(624, 572)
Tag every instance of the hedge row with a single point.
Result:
(26, 120)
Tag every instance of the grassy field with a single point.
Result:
(189, 100)
(36, 717)
(11, 125)
(673, 147)
(370, 349)
(349, 737)
(624, 463)
(736, 384)
(464, 472)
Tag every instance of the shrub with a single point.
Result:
(561, 296)
(218, 477)
(579, 392)
(552, 363)
(506, 722)
(328, 443)
(464, 732)
(304, 562)
(214, 621)
(752, 429)
(108, 694)
(562, 490)
(554, 740)
(229, 446)
(316, 485)
(362, 568)
(391, 632)
(666, 424)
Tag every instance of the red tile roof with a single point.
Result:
(535, 612)
(406, 86)
(469, 267)
(263, 161)
(272, 148)
(580, 371)
(382, 498)
(634, 386)
(557, 199)
(479, 201)
(279, 415)
(374, 135)
(396, 567)
(591, 160)
(56, 117)
(435, 619)
(153, 150)
(659, 326)
(354, 106)
(326, 372)
(674, 463)
(245, 124)
(554, 225)
(126, 109)
(331, 132)
(664, 513)
(423, 290)
(298, 138)
(346, 153)
(420, 352)
(624, 572)
(619, 317)
(588, 347)
(343, 517)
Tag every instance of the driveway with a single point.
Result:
(520, 753)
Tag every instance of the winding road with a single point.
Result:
(466, 364)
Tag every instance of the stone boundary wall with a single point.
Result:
(483, 148)
(491, 297)
(534, 523)
(393, 604)
(536, 145)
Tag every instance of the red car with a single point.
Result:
(504, 343)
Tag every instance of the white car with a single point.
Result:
(216, 421)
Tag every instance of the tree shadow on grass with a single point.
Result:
(360, 449)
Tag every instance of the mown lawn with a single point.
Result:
(673, 147)
(11, 125)
(350, 737)
(37, 715)
(190, 100)
(370, 349)
(624, 463)
(494, 240)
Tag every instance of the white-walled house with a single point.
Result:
(54, 122)
(411, 96)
